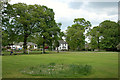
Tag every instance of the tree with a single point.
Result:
(75, 34)
(48, 32)
(95, 36)
(109, 32)
(30, 19)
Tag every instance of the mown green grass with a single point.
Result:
(104, 64)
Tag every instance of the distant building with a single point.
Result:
(20, 45)
(62, 45)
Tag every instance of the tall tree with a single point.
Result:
(75, 34)
(109, 31)
(48, 31)
(29, 19)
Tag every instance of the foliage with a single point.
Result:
(104, 36)
(9, 30)
(75, 34)
(109, 32)
(94, 36)
(25, 20)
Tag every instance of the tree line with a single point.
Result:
(36, 23)
(105, 36)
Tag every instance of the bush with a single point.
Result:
(4, 49)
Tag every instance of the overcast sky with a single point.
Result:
(67, 10)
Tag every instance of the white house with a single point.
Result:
(20, 45)
(62, 45)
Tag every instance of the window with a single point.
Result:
(35, 45)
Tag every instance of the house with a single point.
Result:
(62, 45)
(20, 45)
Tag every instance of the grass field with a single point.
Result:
(104, 64)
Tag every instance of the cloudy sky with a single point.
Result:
(67, 10)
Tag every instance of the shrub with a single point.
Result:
(4, 49)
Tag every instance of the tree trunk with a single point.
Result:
(12, 47)
(25, 45)
(68, 48)
(98, 45)
(43, 47)
(51, 45)
(57, 50)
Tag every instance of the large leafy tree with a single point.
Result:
(30, 19)
(75, 34)
(48, 30)
(109, 32)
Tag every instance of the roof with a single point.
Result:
(62, 42)
(28, 43)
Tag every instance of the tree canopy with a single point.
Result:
(109, 32)
(75, 34)
(104, 36)
(25, 20)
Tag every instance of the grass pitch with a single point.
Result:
(104, 64)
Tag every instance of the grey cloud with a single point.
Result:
(101, 5)
(113, 12)
(98, 5)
